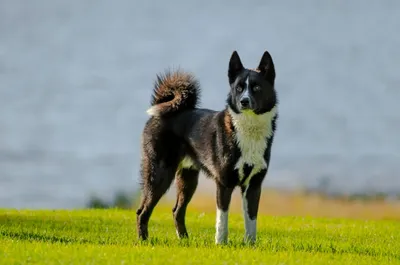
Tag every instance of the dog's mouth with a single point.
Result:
(244, 108)
(248, 111)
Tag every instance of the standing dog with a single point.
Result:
(232, 146)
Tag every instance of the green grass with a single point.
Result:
(109, 237)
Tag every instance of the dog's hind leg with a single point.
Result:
(157, 178)
(186, 184)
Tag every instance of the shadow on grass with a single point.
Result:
(29, 236)
(79, 231)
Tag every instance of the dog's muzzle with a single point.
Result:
(245, 102)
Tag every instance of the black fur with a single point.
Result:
(178, 131)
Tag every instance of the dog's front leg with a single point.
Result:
(224, 195)
(251, 199)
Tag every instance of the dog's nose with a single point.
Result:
(245, 102)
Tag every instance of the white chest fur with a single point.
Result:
(252, 132)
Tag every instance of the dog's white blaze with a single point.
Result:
(247, 81)
(251, 133)
(221, 235)
(249, 224)
(246, 89)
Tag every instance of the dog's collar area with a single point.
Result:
(253, 126)
(249, 118)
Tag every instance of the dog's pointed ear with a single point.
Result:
(267, 68)
(235, 67)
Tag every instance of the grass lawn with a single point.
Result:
(109, 237)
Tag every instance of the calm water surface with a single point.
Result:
(76, 78)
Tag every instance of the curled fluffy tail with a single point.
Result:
(174, 92)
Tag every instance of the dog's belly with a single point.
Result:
(187, 163)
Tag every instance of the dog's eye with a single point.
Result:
(256, 88)
(239, 88)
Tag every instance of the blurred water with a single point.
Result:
(76, 78)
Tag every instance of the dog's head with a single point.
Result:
(252, 90)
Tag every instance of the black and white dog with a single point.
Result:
(232, 146)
